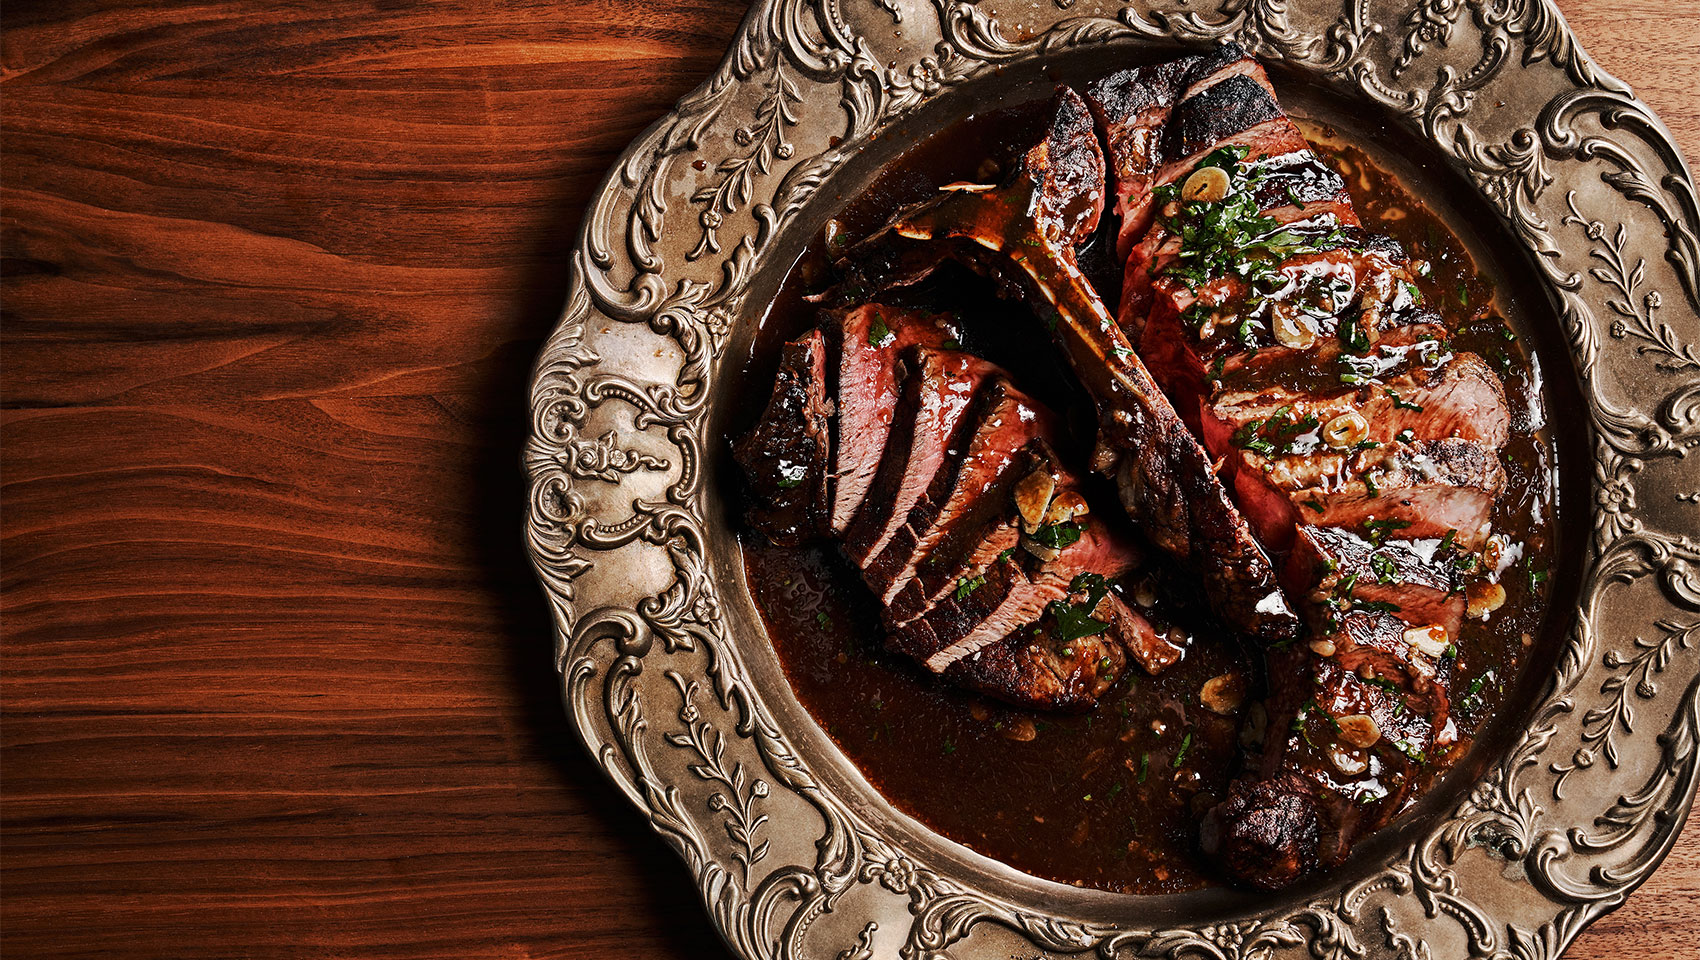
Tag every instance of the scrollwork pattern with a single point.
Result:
(621, 528)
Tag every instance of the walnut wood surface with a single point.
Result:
(276, 676)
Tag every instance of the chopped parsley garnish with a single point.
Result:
(1075, 620)
(968, 585)
(1180, 755)
(1229, 237)
(1379, 529)
(879, 334)
(1275, 435)
(1536, 578)
(1402, 403)
(1057, 535)
(1383, 568)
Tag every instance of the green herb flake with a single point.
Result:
(1379, 529)
(1180, 755)
(1536, 578)
(968, 585)
(1057, 535)
(1383, 567)
(1144, 766)
(823, 620)
(1401, 403)
(1075, 620)
(879, 334)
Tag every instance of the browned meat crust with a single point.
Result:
(785, 456)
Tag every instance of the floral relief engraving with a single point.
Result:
(624, 533)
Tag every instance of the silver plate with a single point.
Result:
(1557, 176)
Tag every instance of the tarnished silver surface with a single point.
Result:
(1564, 807)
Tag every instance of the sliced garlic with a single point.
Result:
(965, 187)
(1033, 497)
(1292, 328)
(1206, 185)
(1322, 648)
(1066, 506)
(1222, 694)
(1483, 598)
(1359, 730)
(1345, 431)
(1039, 550)
(1349, 762)
(1431, 640)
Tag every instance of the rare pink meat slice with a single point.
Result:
(785, 456)
(1459, 397)
(1337, 571)
(988, 607)
(870, 339)
(964, 492)
(1195, 336)
(1418, 490)
(1043, 668)
(938, 387)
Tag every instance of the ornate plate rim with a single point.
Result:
(1561, 829)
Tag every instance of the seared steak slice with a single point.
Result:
(1416, 490)
(1337, 571)
(937, 389)
(1339, 764)
(785, 456)
(1022, 233)
(870, 339)
(1460, 398)
(1042, 668)
(987, 444)
(1132, 110)
(990, 606)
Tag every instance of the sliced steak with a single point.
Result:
(1337, 571)
(1459, 398)
(1022, 233)
(870, 339)
(1337, 765)
(964, 492)
(785, 457)
(938, 387)
(1416, 490)
(1019, 583)
(1132, 109)
(1040, 667)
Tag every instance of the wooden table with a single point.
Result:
(276, 676)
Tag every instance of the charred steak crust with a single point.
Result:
(785, 456)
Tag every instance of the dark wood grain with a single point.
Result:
(276, 677)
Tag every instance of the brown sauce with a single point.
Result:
(1109, 799)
